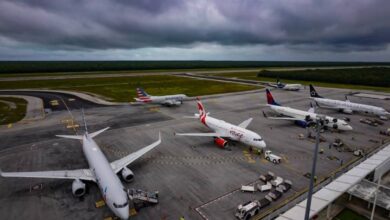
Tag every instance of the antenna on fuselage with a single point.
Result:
(85, 123)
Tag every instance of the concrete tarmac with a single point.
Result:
(195, 178)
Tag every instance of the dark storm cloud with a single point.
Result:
(128, 24)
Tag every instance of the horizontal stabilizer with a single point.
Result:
(96, 133)
(77, 137)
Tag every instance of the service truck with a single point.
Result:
(268, 155)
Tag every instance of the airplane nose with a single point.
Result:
(262, 144)
(349, 128)
(123, 213)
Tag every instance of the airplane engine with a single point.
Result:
(347, 111)
(335, 126)
(220, 142)
(127, 174)
(78, 188)
(302, 124)
(178, 102)
(335, 120)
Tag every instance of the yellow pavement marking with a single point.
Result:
(285, 158)
(133, 212)
(248, 157)
(100, 203)
(10, 125)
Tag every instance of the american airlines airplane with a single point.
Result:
(303, 118)
(100, 171)
(224, 129)
(347, 106)
(167, 100)
(290, 87)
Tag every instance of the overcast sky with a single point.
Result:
(323, 30)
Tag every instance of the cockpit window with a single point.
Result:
(120, 205)
(257, 139)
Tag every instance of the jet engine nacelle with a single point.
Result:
(78, 188)
(335, 126)
(173, 102)
(347, 111)
(127, 174)
(302, 124)
(220, 142)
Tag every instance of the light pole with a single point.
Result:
(320, 122)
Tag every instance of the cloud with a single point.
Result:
(81, 25)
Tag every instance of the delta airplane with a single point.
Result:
(290, 87)
(100, 171)
(224, 129)
(167, 100)
(303, 118)
(347, 106)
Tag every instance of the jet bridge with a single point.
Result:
(325, 196)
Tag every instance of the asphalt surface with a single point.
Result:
(192, 175)
(65, 101)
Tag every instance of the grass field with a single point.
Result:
(253, 76)
(12, 110)
(122, 89)
(348, 214)
(88, 66)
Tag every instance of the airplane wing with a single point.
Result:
(82, 174)
(284, 118)
(202, 134)
(245, 123)
(272, 85)
(123, 162)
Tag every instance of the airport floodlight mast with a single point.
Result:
(320, 122)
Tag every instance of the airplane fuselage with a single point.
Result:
(164, 100)
(292, 87)
(301, 115)
(109, 183)
(349, 107)
(235, 132)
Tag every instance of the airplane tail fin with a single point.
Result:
(202, 110)
(270, 99)
(313, 92)
(141, 93)
(85, 123)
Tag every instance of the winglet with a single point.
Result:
(311, 109)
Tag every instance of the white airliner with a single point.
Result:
(224, 129)
(167, 100)
(347, 106)
(290, 87)
(303, 118)
(100, 171)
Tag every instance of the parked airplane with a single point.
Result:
(224, 129)
(347, 106)
(290, 87)
(100, 171)
(303, 118)
(167, 100)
